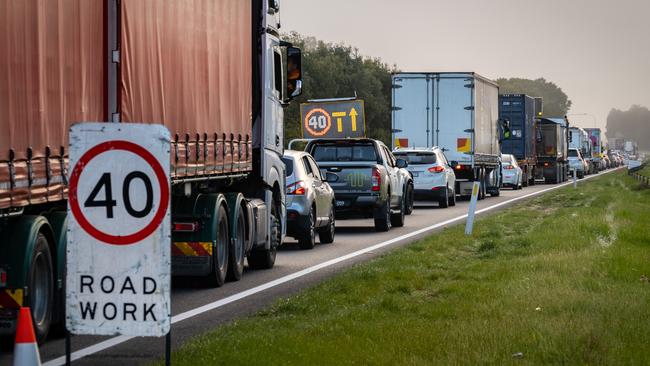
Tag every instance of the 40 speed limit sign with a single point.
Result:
(118, 249)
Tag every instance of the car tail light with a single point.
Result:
(3, 278)
(186, 227)
(546, 165)
(376, 180)
(299, 188)
(508, 167)
(436, 169)
(458, 167)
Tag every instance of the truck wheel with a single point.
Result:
(382, 217)
(308, 238)
(326, 235)
(265, 258)
(220, 257)
(581, 175)
(40, 297)
(397, 220)
(443, 202)
(525, 179)
(452, 198)
(237, 257)
(481, 190)
(410, 198)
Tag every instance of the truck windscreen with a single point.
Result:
(365, 152)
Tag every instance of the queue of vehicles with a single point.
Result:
(236, 192)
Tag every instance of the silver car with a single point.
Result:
(511, 173)
(432, 176)
(310, 200)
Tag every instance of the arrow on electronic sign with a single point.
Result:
(353, 116)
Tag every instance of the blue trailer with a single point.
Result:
(520, 111)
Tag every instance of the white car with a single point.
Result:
(577, 163)
(511, 173)
(433, 178)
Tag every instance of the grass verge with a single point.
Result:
(559, 279)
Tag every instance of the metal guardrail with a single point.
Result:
(639, 177)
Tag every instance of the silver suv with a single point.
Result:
(310, 200)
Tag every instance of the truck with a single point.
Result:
(457, 112)
(595, 136)
(552, 150)
(579, 139)
(630, 148)
(218, 85)
(369, 182)
(520, 111)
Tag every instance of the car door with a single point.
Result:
(449, 171)
(322, 189)
(393, 176)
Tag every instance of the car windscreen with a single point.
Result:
(573, 153)
(414, 158)
(364, 152)
(288, 163)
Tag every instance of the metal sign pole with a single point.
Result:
(472, 208)
(168, 348)
(68, 342)
(575, 179)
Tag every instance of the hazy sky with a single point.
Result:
(597, 51)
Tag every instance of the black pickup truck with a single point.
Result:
(369, 181)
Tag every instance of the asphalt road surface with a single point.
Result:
(197, 310)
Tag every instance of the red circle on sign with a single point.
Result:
(160, 176)
(327, 116)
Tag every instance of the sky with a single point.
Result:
(597, 51)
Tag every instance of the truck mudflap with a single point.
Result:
(191, 258)
(10, 302)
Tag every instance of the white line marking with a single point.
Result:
(98, 347)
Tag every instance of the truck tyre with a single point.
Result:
(220, 256)
(382, 217)
(581, 175)
(308, 238)
(525, 179)
(397, 220)
(410, 196)
(443, 202)
(452, 198)
(236, 255)
(481, 190)
(40, 280)
(265, 258)
(326, 235)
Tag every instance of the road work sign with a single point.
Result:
(119, 230)
(339, 119)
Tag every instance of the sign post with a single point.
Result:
(119, 231)
(469, 226)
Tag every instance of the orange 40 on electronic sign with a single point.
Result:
(333, 119)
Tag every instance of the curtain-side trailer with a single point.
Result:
(211, 71)
(456, 111)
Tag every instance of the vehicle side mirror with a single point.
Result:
(401, 163)
(331, 177)
(505, 127)
(294, 72)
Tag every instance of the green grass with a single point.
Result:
(560, 278)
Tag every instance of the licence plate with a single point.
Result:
(340, 203)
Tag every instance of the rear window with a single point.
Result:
(573, 153)
(288, 163)
(344, 153)
(417, 157)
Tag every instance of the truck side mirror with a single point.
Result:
(294, 72)
(505, 127)
(401, 163)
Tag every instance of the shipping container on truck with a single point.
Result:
(520, 112)
(552, 150)
(595, 135)
(215, 83)
(579, 139)
(456, 111)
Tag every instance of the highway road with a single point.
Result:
(197, 310)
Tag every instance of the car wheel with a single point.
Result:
(443, 201)
(397, 219)
(452, 198)
(326, 235)
(308, 238)
(382, 218)
(410, 199)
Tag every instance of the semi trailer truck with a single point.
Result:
(215, 73)
(459, 113)
(519, 110)
(552, 150)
